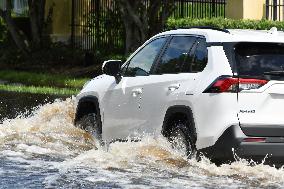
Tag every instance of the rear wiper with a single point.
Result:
(280, 73)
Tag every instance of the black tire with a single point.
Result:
(90, 124)
(182, 139)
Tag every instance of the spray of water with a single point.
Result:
(67, 156)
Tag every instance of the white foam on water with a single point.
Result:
(10, 153)
(48, 140)
(151, 157)
(49, 130)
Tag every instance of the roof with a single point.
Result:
(235, 35)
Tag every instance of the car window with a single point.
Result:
(260, 59)
(141, 63)
(175, 54)
(198, 58)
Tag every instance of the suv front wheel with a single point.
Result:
(89, 123)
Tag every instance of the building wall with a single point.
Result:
(234, 9)
(60, 29)
(254, 9)
(246, 9)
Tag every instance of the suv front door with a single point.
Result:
(122, 107)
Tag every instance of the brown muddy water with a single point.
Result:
(41, 148)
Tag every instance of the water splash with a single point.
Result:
(50, 127)
(48, 145)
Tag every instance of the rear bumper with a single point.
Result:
(263, 130)
(231, 143)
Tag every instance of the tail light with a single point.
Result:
(233, 85)
(254, 139)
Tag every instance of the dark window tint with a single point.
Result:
(175, 55)
(199, 57)
(260, 59)
(141, 63)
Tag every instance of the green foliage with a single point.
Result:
(3, 31)
(224, 23)
(116, 57)
(108, 33)
(50, 57)
(38, 90)
(56, 53)
(38, 79)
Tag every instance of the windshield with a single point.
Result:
(260, 59)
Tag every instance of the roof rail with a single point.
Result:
(206, 27)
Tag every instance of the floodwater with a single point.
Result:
(41, 148)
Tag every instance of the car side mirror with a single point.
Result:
(112, 68)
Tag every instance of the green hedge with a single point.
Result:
(3, 31)
(225, 23)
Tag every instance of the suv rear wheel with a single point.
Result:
(89, 123)
(182, 139)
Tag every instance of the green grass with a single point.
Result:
(39, 79)
(39, 90)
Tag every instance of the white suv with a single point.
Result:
(211, 90)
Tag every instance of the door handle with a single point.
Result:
(136, 92)
(173, 87)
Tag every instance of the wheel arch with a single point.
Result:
(178, 112)
(88, 104)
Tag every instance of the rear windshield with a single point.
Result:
(260, 59)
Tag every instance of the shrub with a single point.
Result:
(3, 31)
(224, 23)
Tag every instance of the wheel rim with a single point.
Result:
(89, 124)
(180, 143)
(92, 126)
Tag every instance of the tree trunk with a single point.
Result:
(37, 13)
(135, 27)
(18, 36)
(142, 20)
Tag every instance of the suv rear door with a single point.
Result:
(175, 78)
(261, 101)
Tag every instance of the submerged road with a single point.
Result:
(45, 150)
(13, 104)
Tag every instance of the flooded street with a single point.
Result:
(42, 148)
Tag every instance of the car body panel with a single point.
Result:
(139, 104)
(124, 114)
(263, 106)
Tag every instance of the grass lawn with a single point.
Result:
(39, 90)
(40, 79)
(39, 83)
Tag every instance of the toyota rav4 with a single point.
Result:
(220, 92)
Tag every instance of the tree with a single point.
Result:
(17, 35)
(37, 13)
(37, 23)
(143, 19)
